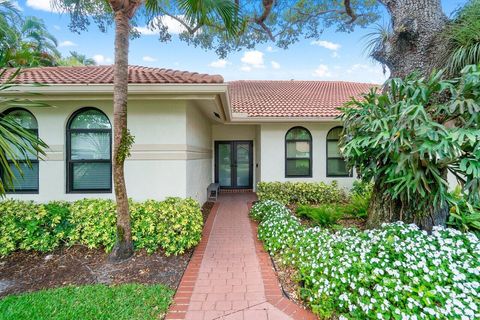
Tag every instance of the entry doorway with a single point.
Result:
(234, 164)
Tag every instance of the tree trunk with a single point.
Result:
(414, 44)
(124, 247)
(384, 209)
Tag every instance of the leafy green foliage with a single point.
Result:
(122, 302)
(407, 138)
(174, 224)
(463, 215)
(462, 36)
(394, 272)
(324, 215)
(300, 192)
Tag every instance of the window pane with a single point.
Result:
(90, 119)
(91, 176)
(298, 134)
(24, 118)
(224, 165)
(298, 149)
(299, 167)
(333, 149)
(88, 146)
(29, 180)
(337, 167)
(335, 133)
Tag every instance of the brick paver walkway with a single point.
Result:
(230, 276)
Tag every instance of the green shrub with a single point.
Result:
(29, 226)
(173, 224)
(93, 223)
(180, 223)
(463, 215)
(325, 215)
(300, 192)
(357, 206)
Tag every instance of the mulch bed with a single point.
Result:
(30, 271)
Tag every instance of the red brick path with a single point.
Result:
(230, 276)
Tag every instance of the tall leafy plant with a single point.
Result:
(407, 138)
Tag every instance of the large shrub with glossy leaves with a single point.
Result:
(407, 138)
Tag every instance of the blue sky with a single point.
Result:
(337, 56)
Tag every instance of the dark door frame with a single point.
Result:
(233, 165)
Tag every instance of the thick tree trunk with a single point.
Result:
(414, 44)
(124, 247)
(384, 209)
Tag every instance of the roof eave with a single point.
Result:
(254, 120)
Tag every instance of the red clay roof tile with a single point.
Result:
(104, 75)
(292, 98)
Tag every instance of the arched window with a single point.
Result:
(89, 153)
(298, 153)
(336, 165)
(27, 181)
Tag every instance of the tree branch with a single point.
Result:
(349, 11)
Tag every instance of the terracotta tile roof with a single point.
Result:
(104, 75)
(292, 98)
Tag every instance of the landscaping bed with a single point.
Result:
(396, 271)
(23, 271)
(30, 271)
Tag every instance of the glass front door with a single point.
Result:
(233, 164)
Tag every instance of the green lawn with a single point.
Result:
(129, 301)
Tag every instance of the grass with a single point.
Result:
(128, 301)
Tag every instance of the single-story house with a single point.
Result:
(190, 130)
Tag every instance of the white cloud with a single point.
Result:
(220, 63)
(334, 54)
(271, 49)
(173, 26)
(101, 59)
(253, 59)
(275, 65)
(56, 27)
(322, 71)
(326, 44)
(149, 59)
(44, 5)
(246, 68)
(67, 43)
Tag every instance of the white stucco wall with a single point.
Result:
(199, 162)
(157, 167)
(272, 139)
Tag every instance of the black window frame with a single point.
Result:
(69, 162)
(32, 161)
(349, 173)
(310, 158)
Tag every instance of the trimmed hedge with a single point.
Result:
(174, 224)
(301, 192)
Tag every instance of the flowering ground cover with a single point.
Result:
(395, 272)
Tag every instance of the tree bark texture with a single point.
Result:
(124, 247)
(384, 209)
(414, 43)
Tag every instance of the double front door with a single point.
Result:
(234, 164)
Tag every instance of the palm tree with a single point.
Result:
(9, 18)
(15, 141)
(76, 59)
(122, 12)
